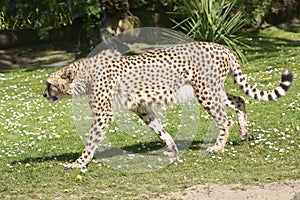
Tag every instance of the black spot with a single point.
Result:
(255, 96)
(270, 98)
(287, 77)
(166, 101)
(98, 133)
(261, 93)
(277, 93)
(284, 87)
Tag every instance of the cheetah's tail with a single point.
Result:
(262, 95)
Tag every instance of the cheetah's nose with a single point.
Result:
(45, 95)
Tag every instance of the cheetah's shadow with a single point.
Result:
(149, 148)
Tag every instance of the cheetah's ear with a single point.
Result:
(68, 75)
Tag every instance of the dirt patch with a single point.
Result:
(288, 190)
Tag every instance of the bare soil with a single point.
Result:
(288, 190)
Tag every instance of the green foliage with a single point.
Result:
(137, 3)
(46, 15)
(254, 9)
(90, 11)
(213, 21)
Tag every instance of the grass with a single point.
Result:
(37, 138)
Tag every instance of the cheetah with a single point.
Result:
(157, 78)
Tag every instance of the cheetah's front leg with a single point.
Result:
(95, 136)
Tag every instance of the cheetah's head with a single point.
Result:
(59, 84)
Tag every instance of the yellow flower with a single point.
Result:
(66, 131)
(27, 165)
(5, 127)
(66, 190)
(265, 78)
(79, 177)
(57, 136)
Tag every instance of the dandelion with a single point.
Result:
(57, 136)
(79, 177)
(66, 190)
(27, 165)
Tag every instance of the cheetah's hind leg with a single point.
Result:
(149, 117)
(238, 105)
(214, 103)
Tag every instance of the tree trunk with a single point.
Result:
(283, 11)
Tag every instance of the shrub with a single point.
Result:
(44, 16)
(213, 21)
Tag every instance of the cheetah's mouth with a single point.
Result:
(53, 99)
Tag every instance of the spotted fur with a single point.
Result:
(160, 77)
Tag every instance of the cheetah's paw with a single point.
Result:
(214, 149)
(74, 165)
(171, 153)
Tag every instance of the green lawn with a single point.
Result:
(37, 138)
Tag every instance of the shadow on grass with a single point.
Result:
(268, 45)
(148, 149)
(66, 157)
(39, 56)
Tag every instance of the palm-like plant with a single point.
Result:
(213, 21)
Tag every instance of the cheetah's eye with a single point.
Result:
(68, 75)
